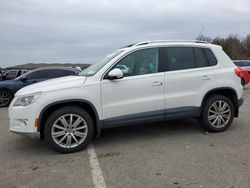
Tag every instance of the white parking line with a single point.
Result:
(96, 171)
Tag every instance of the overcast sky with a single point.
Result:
(82, 31)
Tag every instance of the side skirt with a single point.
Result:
(153, 116)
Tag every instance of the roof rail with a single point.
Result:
(163, 41)
(130, 45)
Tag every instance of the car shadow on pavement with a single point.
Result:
(133, 133)
(21, 143)
(143, 132)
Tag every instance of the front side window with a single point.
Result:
(180, 58)
(40, 74)
(141, 62)
(56, 73)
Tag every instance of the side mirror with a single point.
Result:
(23, 79)
(115, 74)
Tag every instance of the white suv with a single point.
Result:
(161, 80)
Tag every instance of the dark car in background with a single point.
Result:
(12, 74)
(1, 75)
(8, 88)
(243, 64)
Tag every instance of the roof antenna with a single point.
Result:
(200, 33)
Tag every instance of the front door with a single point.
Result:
(139, 95)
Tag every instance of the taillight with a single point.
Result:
(243, 74)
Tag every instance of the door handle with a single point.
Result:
(156, 83)
(206, 77)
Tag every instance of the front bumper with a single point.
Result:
(23, 127)
(22, 121)
(31, 135)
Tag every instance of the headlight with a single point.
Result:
(27, 99)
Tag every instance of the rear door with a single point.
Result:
(188, 77)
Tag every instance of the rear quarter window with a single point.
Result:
(200, 58)
(211, 57)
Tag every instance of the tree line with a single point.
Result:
(237, 48)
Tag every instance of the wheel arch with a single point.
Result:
(227, 92)
(84, 104)
(8, 90)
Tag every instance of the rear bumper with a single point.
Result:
(240, 102)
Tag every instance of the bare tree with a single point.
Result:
(233, 45)
(204, 38)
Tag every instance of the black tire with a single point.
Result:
(64, 111)
(5, 94)
(242, 82)
(204, 118)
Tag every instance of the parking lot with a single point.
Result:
(169, 154)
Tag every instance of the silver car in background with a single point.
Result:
(243, 64)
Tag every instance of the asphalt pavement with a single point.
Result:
(168, 154)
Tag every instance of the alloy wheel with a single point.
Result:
(219, 114)
(69, 130)
(4, 98)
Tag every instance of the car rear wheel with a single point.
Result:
(69, 129)
(217, 114)
(5, 98)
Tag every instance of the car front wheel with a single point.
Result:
(5, 98)
(69, 129)
(217, 114)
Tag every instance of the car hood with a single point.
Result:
(7, 82)
(53, 84)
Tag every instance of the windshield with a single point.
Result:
(91, 70)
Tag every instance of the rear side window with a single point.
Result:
(40, 74)
(180, 58)
(12, 73)
(56, 73)
(200, 58)
(210, 56)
